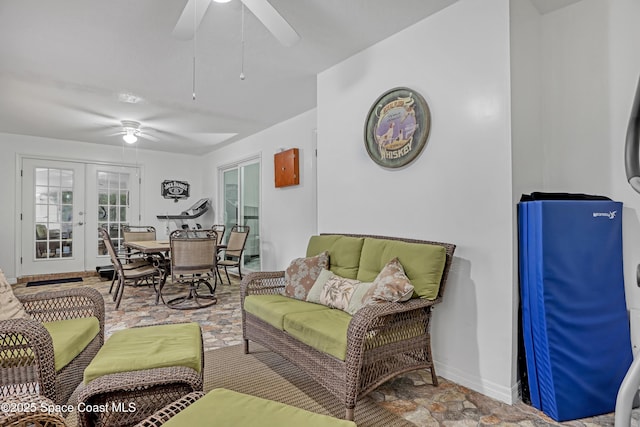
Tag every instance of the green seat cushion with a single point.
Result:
(148, 347)
(344, 252)
(273, 308)
(324, 330)
(423, 263)
(229, 408)
(70, 337)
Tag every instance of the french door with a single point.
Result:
(53, 225)
(63, 203)
(240, 195)
(113, 200)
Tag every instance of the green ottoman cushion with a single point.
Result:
(344, 252)
(423, 263)
(149, 347)
(70, 337)
(273, 308)
(324, 330)
(229, 408)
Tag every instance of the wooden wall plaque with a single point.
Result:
(287, 167)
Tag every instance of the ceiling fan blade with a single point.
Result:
(149, 137)
(185, 28)
(274, 22)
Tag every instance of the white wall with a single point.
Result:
(156, 167)
(589, 71)
(575, 115)
(623, 59)
(288, 214)
(526, 120)
(458, 190)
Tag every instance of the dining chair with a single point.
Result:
(232, 254)
(219, 229)
(137, 233)
(193, 263)
(133, 259)
(132, 275)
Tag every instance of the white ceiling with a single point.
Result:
(547, 6)
(73, 69)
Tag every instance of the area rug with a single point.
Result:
(266, 374)
(54, 281)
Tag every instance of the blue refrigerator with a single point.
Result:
(574, 321)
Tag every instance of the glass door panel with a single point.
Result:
(230, 200)
(241, 205)
(251, 214)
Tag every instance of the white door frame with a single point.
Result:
(18, 237)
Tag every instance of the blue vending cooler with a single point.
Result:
(575, 326)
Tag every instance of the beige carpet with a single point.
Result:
(267, 375)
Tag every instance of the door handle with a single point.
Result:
(81, 223)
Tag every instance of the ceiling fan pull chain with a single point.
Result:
(242, 76)
(195, 25)
(194, 78)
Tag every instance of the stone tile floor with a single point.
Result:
(410, 395)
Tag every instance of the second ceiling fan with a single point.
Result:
(194, 11)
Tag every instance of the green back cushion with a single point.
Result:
(324, 330)
(148, 347)
(229, 408)
(423, 263)
(344, 252)
(273, 308)
(70, 337)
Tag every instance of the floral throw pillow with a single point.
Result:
(10, 306)
(391, 284)
(302, 274)
(337, 292)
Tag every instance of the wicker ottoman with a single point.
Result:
(139, 371)
(229, 408)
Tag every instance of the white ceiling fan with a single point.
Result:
(194, 11)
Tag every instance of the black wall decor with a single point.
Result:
(174, 189)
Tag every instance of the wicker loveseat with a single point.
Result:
(382, 339)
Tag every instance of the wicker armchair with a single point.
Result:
(383, 340)
(27, 363)
(30, 410)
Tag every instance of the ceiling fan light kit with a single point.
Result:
(130, 137)
(131, 131)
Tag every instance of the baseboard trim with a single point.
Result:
(509, 395)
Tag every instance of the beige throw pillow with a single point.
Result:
(10, 306)
(391, 284)
(337, 292)
(302, 273)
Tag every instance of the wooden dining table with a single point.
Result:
(161, 250)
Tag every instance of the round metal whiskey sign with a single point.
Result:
(397, 127)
